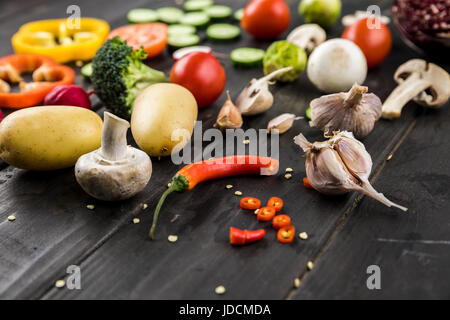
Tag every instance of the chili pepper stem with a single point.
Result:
(158, 208)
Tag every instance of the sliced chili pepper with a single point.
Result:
(275, 202)
(241, 237)
(250, 203)
(266, 213)
(47, 74)
(192, 174)
(281, 221)
(307, 184)
(286, 234)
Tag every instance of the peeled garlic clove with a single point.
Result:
(229, 116)
(282, 123)
(355, 111)
(256, 98)
(339, 165)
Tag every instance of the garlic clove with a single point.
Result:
(282, 123)
(229, 116)
(256, 98)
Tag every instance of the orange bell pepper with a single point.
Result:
(47, 74)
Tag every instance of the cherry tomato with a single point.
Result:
(241, 237)
(202, 74)
(374, 42)
(275, 202)
(281, 221)
(250, 203)
(266, 19)
(286, 234)
(307, 184)
(152, 36)
(266, 213)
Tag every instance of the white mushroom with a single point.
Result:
(256, 98)
(307, 36)
(115, 171)
(426, 83)
(335, 65)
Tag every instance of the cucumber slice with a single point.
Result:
(169, 15)
(239, 14)
(177, 29)
(183, 40)
(86, 70)
(142, 15)
(218, 12)
(222, 31)
(178, 54)
(196, 19)
(247, 57)
(308, 113)
(195, 5)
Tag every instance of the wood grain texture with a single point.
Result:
(54, 229)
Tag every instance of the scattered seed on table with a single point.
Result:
(60, 283)
(238, 193)
(289, 170)
(256, 211)
(79, 63)
(172, 238)
(297, 282)
(169, 185)
(310, 265)
(144, 206)
(288, 176)
(90, 206)
(229, 186)
(11, 218)
(220, 290)
(303, 235)
(246, 141)
(389, 157)
(136, 220)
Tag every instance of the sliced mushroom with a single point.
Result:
(426, 83)
(350, 19)
(307, 36)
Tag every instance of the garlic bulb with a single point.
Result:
(282, 123)
(229, 116)
(340, 165)
(256, 98)
(354, 111)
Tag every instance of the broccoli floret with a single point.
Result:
(119, 75)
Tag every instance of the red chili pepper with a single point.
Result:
(241, 237)
(307, 184)
(275, 202)
(266, 213)
(281, 221)
(250, 203)
(286, 234)
(189, 176)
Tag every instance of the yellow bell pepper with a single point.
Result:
(57, 39)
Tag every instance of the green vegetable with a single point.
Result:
(218, 12)
(247, 57)
(86, 70)
(141, 15)
(322, 12)
(196, 19)
(223, 31)
(308, 113)
(169, 15)
(238, 14)
(178, 29)
(195, 5)
(118, 75)
(283, 54)
(183, 40)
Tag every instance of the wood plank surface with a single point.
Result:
(54, 229)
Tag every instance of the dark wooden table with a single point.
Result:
(54, 229)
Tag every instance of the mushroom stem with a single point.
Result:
(114, 137)
(355, 95)
(272, 75)
(406, 91)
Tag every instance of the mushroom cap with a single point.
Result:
(307, 36)
(439, 90)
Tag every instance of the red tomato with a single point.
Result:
(202, 74)
(152, 36)
(374, 42)
(266, 19)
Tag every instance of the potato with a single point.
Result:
(163, 118)
(50, 137)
